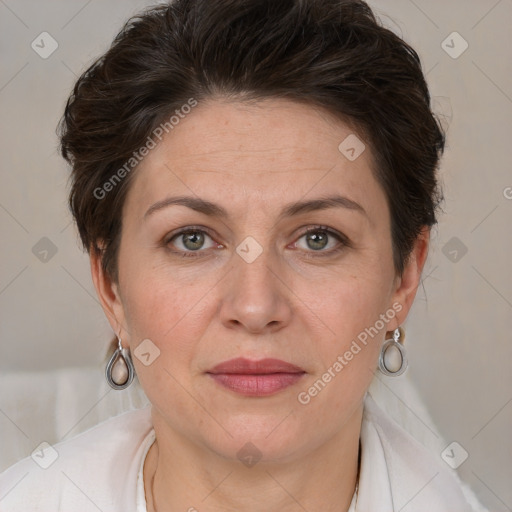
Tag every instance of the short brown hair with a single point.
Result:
(331, 54)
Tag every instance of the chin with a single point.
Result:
(257, 439)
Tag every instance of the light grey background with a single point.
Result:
(458, 334)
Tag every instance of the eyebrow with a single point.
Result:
(297, 208)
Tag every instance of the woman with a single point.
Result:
(255, 183)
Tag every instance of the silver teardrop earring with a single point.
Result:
(393, 359)
(120, 371)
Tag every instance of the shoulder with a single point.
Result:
(418, 480)
(97, 469)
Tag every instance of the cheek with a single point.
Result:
(348, 300)
(353, 314)
(347, 344)
(166, 305)
(160, 309)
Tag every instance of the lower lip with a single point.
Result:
(256, 385)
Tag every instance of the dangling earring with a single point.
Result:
(120, 371)
(392, 359)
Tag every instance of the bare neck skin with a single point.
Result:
(179, 475)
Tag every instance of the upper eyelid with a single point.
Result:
(331, 231)
(182, 231)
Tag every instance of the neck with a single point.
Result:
(181, 475)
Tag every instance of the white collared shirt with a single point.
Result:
(102, 468)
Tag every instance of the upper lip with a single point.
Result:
(241, 365)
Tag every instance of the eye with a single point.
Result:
(322, 240)
(189, 240)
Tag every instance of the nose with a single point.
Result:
(256, 297)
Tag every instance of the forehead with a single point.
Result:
(263, 154)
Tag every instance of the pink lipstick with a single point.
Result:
(256, 378)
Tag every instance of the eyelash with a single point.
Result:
(344, 242)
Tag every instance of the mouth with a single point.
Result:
(256, 378)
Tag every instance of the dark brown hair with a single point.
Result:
(331, 54)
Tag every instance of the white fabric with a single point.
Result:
(56, 405)
(101, 469)
(141, 495)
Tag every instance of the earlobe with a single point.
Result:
(407, 284)
(107, 291)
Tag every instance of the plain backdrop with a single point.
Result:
(459, 331)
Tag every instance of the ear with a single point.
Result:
(408, 283)
(108, 294)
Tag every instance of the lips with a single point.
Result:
(256, 378)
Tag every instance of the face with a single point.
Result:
(289, 259)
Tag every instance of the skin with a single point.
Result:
(290, 303)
